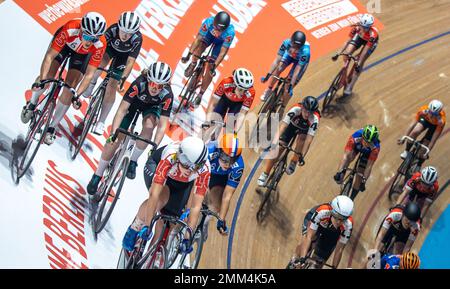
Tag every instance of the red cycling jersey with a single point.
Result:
(70, 34)
(370, 36)
(227, 87)
(415, 184)
(168, 167)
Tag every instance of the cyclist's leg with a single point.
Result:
(285, 138)
(105, 60)
(217, 113)
(363, 58)
(357, 181)
(426, 140)
(206, 41)
(298, 146)
(207, 77)
(286, 60)
(420, 126)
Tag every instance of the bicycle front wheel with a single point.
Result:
(114, 182)
(156, 258)
(396, 187)
(347, 188)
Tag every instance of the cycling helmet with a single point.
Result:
(343, 206)
(159, 72)
(243, 78)
(435, 106)
(429, 175)
(93, 24)
(129, 22)
(367, 21)
(192, 152)
(412, 212)
(222, 20)
(310, 103)
(230, 145)
(298, 38)
(370, 133)
(409, 260)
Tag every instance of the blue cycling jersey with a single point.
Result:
(207, 29)
(301, 56)
(390, 262)
(357, 137)
(234, 172)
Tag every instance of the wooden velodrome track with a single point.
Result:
(386, 95)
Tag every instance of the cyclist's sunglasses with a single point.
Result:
(434, 113)
(186, 164)
(155, 85)
(89, 38)
(226, 158)
(338, 216)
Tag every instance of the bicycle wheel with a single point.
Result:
(91, 115)
(118, 179)
(396, 187)
(39, 127)
(186, 98)
(273, 181)
(156, 258)
(347, 188)
(331, 92)
(173, 243)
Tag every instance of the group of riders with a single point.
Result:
(194, 171)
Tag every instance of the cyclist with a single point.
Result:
(295, 51)
(217, 31)
(300, 122)
(233, 96)
(403, 223)
(83, 41)
(124, 41)
(408, 260)
(227, 167)
(424, 186)
(366, 142)
(362, 34)
(430, 117)
(326, 228)
(170, 174)
(151, 94)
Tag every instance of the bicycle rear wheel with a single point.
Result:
(273, 181)
(118, 179)
(332, 90)
(396, 187)
(91, 115)
(40, 127)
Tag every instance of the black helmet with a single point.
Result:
(310, 103)
(222, 20)
(412, 212)
(298, 38)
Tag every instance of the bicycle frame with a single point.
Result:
(347, 183)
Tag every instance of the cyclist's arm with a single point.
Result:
(306, 244)
(275, 63)
(347, 154)
(240, 119)
(90, 72)
(47, 62)
(155, 191)
(338, 254)
(226, 198)
(403, 195)
(120, 114)
(223, 52)
(280, 131)
(380, 236)
(161, 129)
(426, 206)
(196, 43)
(408, 245)
(436, 135)
(196, 206)
(128, 67)
(410, 127)
(306, 145)
(368, 169)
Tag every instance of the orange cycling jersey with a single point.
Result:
(370, 36)
(227, 88)
(438, 121)
(70, 34)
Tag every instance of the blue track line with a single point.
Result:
(258, 162)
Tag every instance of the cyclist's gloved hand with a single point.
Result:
(185, 246)
(335, 57)
(110, 139)
(357, 68)
(265, 78)
(121, 83)
(290, 89)
(400, 141)
(338, 177)
(145, 233)
(362, 186)
(36, 85)
(186, 58)
(301, 161)
(222, 227)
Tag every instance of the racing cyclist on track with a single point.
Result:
(170, 174)
(408, 260)
(363, 34)
(124, 41)
(365, 142)
(300, 122)
(219, 32)
(328, 227)
(151, 94)
(295, 51)
(83, 41)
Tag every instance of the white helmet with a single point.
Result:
(429, 175)
(243, 78)
(367, 20)
(342, 205)
(93, 24)
(129, 22)
(159, 72)
(435, 106)
(192, 152)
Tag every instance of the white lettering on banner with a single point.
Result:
(242, 12)
(59, 9)
(160, 17)
(321, 32)
(297, 7)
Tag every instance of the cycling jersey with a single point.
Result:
(370, 37)
(169, 168)
(300, 56)
(305, 126)
(234, 173)
(322, 218)
(70, 35)
(355, 143)
(416, 186)
(131, 47)
(225, 38)
(227, 88)
(139, 96)
(393, 220)
(390, 262)
(437, 121)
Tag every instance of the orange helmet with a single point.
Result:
(230, 145)
(409, 260)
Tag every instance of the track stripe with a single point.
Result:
(258, 162)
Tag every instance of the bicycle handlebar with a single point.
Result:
(173, 220)
(59, 82)
(416, 142)
(349, 56)
(207, 211)
(359, 174)
(133, 136)
(281, 79)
